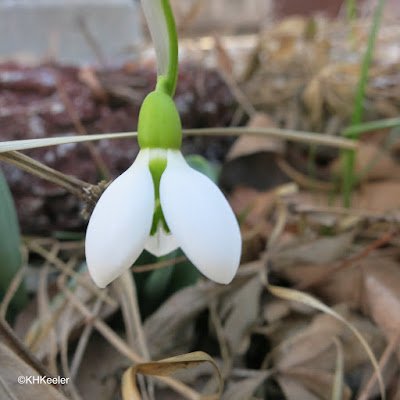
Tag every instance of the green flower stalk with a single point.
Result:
(160, 203)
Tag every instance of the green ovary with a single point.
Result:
(159, 124)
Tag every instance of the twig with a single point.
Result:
(46, 318)
(80, 128)
(64, 267)
(84, 339)
(302, 180)
(390, 348)
(136, 337)
(28, 164)
(11, 290)
(157, 265)
(64, 336)
(91, 41)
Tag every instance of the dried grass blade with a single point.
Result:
(284, 134)
(26, 144)
(337, 390)
(165, 368)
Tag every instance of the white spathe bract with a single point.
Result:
(154, 13)
(199, 217)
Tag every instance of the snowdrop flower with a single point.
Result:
(159, 204)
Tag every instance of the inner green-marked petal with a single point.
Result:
(157, 167)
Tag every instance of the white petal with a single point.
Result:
(120, 223)
(161, 243)
(201, 219)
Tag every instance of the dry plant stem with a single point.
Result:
(212, 385)
(26, 144)
(122, 346)
(157, 265)
(83, 340)
(283, 134)
(302, 180)
(11, 290)
(65, 268)
(40, 329)
(81, 129)
(223, 345)
(28, 164)
(240, 97)
(91, 40)
(64, 336)
(104, 329)
(126, 289)
(279, 225)
(337, 392)
(346, 263)
(45, 316)
(389, 350)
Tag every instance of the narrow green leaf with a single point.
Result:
(348, 157)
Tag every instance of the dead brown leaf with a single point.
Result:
(294, 389)
(171, 327)
(100, 371)
(313, 347)
(379, 197)
(247, 145)
(243, 307)
(315, 381)
(382, 295)
(321, 250)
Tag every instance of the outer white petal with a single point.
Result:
(120, 223)
(201, 219)
(161, 243)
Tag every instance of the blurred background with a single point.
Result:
(66, 30)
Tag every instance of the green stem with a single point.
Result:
(348, 156)
(172, 73)
(351, 16)
(351, 10)
(362, 83)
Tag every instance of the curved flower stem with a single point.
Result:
(172, 73)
